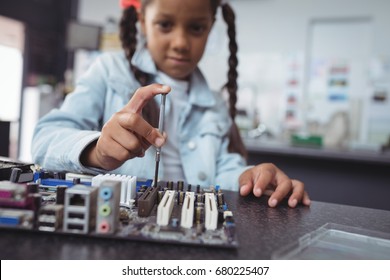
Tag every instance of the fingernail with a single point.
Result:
(242, 188)
(257, 192)
(159, 142)
(273, 202)
(165, 87)
(293, 203)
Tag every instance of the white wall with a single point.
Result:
(97, 11)
(272, 36)
(11, 67)
(270, 26)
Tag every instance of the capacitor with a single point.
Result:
(220, 199)
(199, 213)
(124, 216)
(170, 185)
(180, 185)
(180, 197)
(199, 197)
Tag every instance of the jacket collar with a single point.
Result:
(200, 93)
(143, 60)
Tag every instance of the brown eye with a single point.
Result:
(164, 26)
(197, 29)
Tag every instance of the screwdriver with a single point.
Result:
(160, 129)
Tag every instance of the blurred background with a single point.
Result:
(314, 82)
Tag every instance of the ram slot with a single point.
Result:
(164, 209)
(187, 210)
(211, 212)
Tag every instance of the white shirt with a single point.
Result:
(170, 155)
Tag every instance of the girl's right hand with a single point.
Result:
(126, 134)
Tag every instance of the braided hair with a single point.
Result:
(128, 37)
(235, 144)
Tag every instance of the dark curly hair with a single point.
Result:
(128, 37)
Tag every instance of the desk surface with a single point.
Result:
(261, 230)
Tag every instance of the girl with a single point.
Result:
(108, 122)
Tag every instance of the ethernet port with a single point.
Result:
(77, 200)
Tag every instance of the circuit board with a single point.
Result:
(15, 171)
(120, 207)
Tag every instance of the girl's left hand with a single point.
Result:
(267, 179)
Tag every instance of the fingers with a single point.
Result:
(143, 95)
(257, 179)
(130, 117)
(245, 189)
(135, 123)
(127, 135)
(131, 143)
(263, 180)
(306, 199)
(282, 189)
(245, 182)
(269, 180)
(126, 138)
(297, 193)
(110, 154)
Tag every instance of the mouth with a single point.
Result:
(180, 60)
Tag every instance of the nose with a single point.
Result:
(180, 41)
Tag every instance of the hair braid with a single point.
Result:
(236, 144)
(128, 36)
(231, 85)
(128, 31)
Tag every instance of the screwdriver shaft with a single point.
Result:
(161, 130)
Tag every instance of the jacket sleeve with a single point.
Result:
(61, 135)
(229, 165)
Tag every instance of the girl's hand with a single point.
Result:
(267, 179)
(126, 135)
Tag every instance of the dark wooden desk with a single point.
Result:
(261, 230)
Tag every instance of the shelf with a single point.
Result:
(276, 147)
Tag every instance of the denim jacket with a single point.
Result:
(61, 136)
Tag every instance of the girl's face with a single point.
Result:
(176, 33)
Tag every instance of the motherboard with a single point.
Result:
(118, 207)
